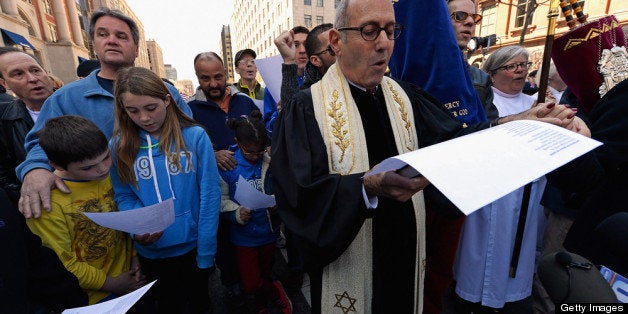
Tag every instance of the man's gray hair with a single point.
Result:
(450, 1)
(342, 19)
(104, 11)
(502, 55)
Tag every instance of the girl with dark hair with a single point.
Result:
(254, 231)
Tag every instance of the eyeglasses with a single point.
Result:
(247, 62)
(461, 16)
(370, 31)
(252, 154)
(326, 50)
(513, 67)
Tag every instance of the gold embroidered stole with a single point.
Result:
(347, 282)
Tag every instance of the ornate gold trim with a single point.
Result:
(593, 33)
(339, 131)
(403, 113)
(337, 125)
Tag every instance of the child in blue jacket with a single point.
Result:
(161, 153)
(253, 231)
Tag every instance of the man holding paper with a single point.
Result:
(366, 232)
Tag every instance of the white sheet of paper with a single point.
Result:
(270, 70)
(250, 197)
(118, 305)
(149, 219)
(260, 104)
(477, 169)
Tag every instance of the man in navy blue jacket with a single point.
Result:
(214, 103)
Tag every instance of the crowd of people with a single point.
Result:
(121, 138)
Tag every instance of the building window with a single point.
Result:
(47, 7)
(53, 32)
(487, 25)
(521, 12)
(307, 2)
(319, 3)
(319, 20)
(307, 20)
(31, 30)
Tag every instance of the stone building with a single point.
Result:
(506, 19)
(155, 58)
(56, 31)
(226, 52)
(51, 30)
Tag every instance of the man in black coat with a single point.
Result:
(29, 81)
(609, 125)
(4, 97)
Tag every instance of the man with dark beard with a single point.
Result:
(214, 103)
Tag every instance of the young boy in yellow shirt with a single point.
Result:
(102, 259)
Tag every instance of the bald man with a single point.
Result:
(214, 103)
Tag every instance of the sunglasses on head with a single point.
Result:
(461, 16)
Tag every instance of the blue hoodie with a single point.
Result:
(258, 231)
(195, 187)
(85, 98)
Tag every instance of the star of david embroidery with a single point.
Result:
(345, 308)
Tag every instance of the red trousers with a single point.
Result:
(255, 265)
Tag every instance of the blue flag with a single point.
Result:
(427, 55)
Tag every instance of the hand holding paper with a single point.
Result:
(148, 238)
(126, 282)
(393, 185)
(245, 215)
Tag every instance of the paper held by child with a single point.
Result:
(116, 306)
(149, 219)
(250, 197)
